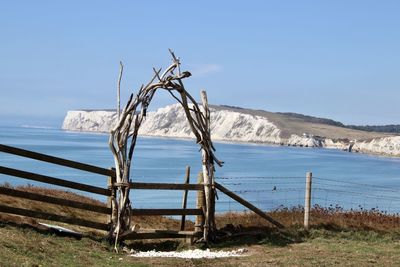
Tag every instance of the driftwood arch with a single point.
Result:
(124, 135)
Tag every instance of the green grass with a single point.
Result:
(21, 246)
(27, 247)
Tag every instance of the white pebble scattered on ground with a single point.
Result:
(190, 254)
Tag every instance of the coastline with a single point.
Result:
(244, 127)
(233, 142)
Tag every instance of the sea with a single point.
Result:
(270, 177)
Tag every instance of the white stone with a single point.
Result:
(189, 254)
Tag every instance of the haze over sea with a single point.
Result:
(268, 176)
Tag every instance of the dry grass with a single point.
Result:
(153, 222)
(336, 238)
(293, 125)
(329, 218)
(321, 218)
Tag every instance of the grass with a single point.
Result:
(336, 238)
(155, 222)
(28, 247)
(289, 124)
(332, 218)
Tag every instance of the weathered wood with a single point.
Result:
(55, 160)
(121, 69)
(208, 170)
(123, 136)
(184, 198)
(54, 217)
(54, 181)
(165, 212)
(54, 200)
(165, 186)
(155, 234)
(307, 200)
(200, 204)
(111, 200)
(247, 205)
(207, 194)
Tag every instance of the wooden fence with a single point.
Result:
(109, 192)
(106, 191)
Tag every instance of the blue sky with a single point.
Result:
(335, 59)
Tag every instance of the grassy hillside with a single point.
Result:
(293, 123)
(391, 128)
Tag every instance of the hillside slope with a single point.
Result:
(297, 124)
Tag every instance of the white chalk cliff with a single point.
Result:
(226, 125)
(389, 146)
(171, 121)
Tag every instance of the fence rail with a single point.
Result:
(165, 212)
(54, 217)
(106, 210)
(54, 200)
(166, 186)
(54, 181)
(56, 160)
(24, 194)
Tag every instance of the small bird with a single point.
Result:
(274, 189)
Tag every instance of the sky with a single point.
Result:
(333, 59)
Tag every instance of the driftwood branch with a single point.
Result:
(123, 138)
(121, 69)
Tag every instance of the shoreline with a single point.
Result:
(255, 143)
(238, 126)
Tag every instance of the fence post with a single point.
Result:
(184, 198)
(307, 201)
(200, 204)
(111, 199)
(208, 173)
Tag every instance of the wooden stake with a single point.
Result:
(207, 175)
(200, 204)
(111, 200)
(184, 198)
(121, 69)
(307, 201)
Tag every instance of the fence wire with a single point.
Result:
(271, 193)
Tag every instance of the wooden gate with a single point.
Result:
(55, 181)
(108, 191)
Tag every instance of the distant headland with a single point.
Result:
(235, 124)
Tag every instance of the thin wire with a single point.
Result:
(258, 182)
(257, 177)
(354, 183)
(359, 194)
(357, 188)
(267, 190)
(344, 201)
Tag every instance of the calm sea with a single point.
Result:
(268, 176)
